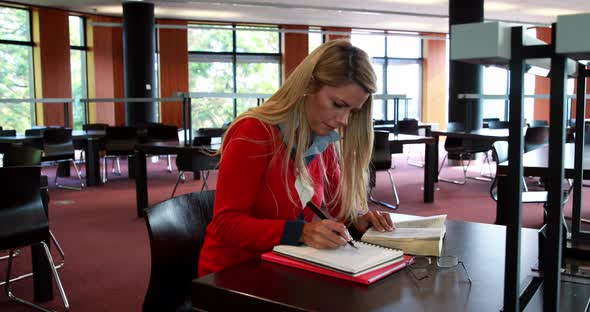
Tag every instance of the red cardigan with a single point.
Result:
(252, 207)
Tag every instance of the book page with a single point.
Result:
(345, 258)
(422, 222)
(409, 233)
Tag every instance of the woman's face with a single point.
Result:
(330, 107)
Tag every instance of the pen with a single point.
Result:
(322, 216)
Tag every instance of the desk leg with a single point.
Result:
(141, 191)
(503, 196)
(92, 163)
(429, 168)
(42, 281)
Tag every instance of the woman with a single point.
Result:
(311, 140)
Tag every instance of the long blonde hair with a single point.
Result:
(335, 63)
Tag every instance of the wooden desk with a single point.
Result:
(396, 143)
(535, 164)
(165, 148)
(257, 285)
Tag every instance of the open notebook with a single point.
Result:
(346, 259)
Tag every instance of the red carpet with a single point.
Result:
(106, 245)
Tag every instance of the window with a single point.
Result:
(496, 81)
(315, 38)
(16, 69)
(78, 69)
(397, 62)
(226, 59)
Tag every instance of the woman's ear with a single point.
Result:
(312, 86)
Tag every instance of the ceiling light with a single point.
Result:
(212, 14)
(498, 6)
(109, 9)
(404, 25)
(553, 12)
(418, 2)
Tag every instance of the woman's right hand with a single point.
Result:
(323, 234)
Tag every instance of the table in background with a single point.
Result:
(396, 143)
(166, 148)
(257, 285)
(427, 126)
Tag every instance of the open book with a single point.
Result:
(345, 259)
(414, 235)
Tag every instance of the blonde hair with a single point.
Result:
(335, 63)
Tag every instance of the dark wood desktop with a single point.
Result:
(258, 285)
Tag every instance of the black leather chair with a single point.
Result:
(497, 124)
(162, 133)
(535, 137)
(119, 141)
(410, 126)
(23, 221)
(465, 148)
(6, 133)
(176, 229)
(381, 160)
(58, 147)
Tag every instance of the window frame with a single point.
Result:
(84, 67)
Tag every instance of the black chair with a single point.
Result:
(119, 141)
(212, 132)
(95, 127)
(6, 133)
(58, 147)
(535, 137)
(465, 148)
(539, 123)
(23, 221)
(196, 162)
(17, 156)
(176, 229)
(162, 133)
(410, 126)
(497, 124)
(381, 160)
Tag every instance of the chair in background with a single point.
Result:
(17, 156)
(23, 222)
(212, 132)
(58, 147)
(539, 123)
(162, 133)
(497, 124)
(410, 126)
(6, 133)
(195, 162)
(535, 137)
(465, 148)
(381, 160)
(119, 141)
(176, 229)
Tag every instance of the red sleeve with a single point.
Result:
(243, 165)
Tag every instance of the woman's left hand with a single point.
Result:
(380, 221)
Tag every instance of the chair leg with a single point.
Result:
(205, 186)
(79, 178)
(382, 203)
(483, 177)
(16, 253)
(118, 163)
(12, 297)
(105, 170)
(180, 174)
(59, 249)
(413, 163)
(393, 187)
(453, 181)
(169, 167)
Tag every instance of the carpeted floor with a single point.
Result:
(106, 244)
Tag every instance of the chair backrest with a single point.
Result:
(120, 140)
(57, 144)
(162, 133)
(381, 156)
(500, 155)
(497, 124)
(23, 220)
(95, 126)
(539, 123)
(452, 143)
(176, 229)
(535, 137)
(7, 133)
(22, 156)
(213, 132)
(408, 126)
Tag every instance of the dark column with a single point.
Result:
(463, 77)
(139, 44)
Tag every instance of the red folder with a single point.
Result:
(366, 278)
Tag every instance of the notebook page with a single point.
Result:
(345, 258)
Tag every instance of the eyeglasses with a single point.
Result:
(419, 265)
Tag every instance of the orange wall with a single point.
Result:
(118, 71)
(173, 70)
(102, 50)
(54, 46)
(435, 81)
(295, 47)
(542, 84)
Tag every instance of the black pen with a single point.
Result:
(322, 216)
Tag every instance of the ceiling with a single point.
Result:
(408, 15)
